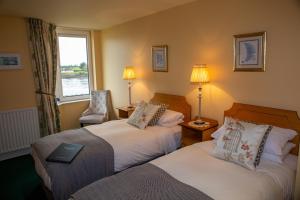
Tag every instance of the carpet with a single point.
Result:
(19, 181)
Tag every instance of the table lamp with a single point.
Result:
(199, 75)
(129, 74)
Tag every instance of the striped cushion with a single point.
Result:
(158, 114)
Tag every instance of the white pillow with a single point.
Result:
(279, 158)
(241, 143)
(277, 139)
(170, 118)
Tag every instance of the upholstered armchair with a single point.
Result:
(100, 109)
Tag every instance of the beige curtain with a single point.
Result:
(43, 47)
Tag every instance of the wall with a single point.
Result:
(202, 32)
(17, 87)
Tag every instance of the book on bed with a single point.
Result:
(65, 153)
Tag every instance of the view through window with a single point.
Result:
(73, 61)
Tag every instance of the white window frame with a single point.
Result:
(66, 32)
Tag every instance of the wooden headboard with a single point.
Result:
(264, 115)
(175, 102)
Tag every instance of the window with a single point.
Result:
(74, 77)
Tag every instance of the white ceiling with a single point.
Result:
(93, 14)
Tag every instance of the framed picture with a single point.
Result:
(160, 58)
(250, 52)
(10, 61)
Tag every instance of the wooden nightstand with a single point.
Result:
(125, 112)
(192, 134)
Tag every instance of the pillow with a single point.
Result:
(279, 158)
(170, 117)
(277, 140)
(161, 110)
(240, 142)
(142, 114)
(171, 124)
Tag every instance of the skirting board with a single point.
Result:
(14, 154)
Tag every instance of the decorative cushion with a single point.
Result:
(240, 142)
(276, 140)
(98, 102)
(142, 114)
(92, 119)
(261, 147)
(161, 110)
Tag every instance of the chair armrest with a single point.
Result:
(86, 112)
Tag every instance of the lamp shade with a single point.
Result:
(199, 74)
(129, 73)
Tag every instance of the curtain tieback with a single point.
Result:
(45, 93)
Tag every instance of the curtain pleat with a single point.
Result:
(43, 47)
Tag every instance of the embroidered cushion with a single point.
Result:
(240, 142)
(142, 114)
(161, 110)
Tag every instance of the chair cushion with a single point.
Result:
(92, 119)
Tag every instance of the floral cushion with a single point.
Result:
(240, 142)
(142, 114)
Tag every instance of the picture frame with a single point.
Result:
(160, 58)
(9, 61)
(250, 52)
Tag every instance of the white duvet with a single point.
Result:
(222, 180)
(134, 146)
(131, 145)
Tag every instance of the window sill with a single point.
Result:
(72, 101)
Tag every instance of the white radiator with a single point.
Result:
(18, 129)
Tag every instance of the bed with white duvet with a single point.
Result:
(132, 146)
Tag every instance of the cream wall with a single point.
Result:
(17, 86)
(201, 32)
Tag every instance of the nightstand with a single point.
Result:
(125, 112)
(192, 134)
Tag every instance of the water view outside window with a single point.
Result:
(73, 66)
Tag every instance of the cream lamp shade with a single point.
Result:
(129, 73)
(199, 74)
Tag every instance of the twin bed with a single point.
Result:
(192, 172)
(109, 148)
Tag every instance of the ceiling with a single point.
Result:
(92, 14)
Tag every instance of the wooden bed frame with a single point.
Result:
(264, 115)
(175, 102)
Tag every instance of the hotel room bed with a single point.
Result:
(193, 173)
(109, 148)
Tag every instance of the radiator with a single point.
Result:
(18, 129)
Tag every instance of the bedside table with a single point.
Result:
(193, 134)
(125, 112)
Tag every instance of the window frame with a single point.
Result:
(66, 32)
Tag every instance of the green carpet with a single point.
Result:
(19, 181)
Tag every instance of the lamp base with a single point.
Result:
(199, 122)
(130, 107)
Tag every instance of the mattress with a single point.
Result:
(219, 179)
(132, 146)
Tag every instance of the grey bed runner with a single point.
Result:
(95, 161)
(145, 182)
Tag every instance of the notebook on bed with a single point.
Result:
(65, 153)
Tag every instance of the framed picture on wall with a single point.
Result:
(10, 61)
(250, 52)
(160, 58)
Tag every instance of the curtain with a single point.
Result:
(43, 47)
